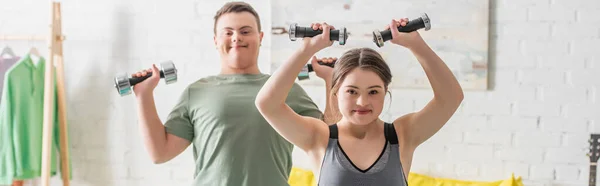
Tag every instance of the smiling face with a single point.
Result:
(238, 37)
(360, 81)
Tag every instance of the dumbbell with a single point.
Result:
(123, 82)
(300, 32)
(303, 75)
(379, 37)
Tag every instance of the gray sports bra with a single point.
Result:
(338, 170)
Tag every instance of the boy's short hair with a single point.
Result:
(236, 7)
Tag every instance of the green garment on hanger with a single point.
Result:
(21, 122)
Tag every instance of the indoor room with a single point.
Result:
(282, 92)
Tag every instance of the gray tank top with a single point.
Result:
(338, 170)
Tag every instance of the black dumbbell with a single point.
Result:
(123, 82)
(380, 37)
(300, 32)
(303, 75)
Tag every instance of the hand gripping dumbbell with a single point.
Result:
(300, 32)
(379, 37)
(123, 82)
(303, 75)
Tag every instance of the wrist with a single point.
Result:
(308, 50)
(142, 98)
(328, 83)
(418, 46)
(328, 80)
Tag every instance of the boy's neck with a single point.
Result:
(226, 70)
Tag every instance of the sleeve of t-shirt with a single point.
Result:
(302, 104)
(178, 122)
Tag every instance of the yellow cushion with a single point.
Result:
(303, 177)
(424, 180)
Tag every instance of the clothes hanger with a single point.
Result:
(33, 52)
(7, 51)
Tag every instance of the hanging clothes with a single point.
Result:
(5, 64)
(21, 122)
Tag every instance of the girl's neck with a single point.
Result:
(361, 131)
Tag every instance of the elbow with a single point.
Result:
(266, 107)
(457, 98)
(261, 103)
(456, 95)
(460, 96)
(264, 104)
(158, 160)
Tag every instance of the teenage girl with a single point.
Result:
(360, 148)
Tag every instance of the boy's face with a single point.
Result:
(238, 39)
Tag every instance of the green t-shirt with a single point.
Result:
(233, 144)
(21, 123)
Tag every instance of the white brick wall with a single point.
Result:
(533, 122)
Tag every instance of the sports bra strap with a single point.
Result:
(389, 130)
(390, 133)
(333, 131)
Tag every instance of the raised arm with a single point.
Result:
(448, 95)
(161, 146)
(301, 131)
(331, 114)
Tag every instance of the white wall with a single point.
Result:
(534, 121)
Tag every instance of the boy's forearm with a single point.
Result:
(152, 129)
(329, 116)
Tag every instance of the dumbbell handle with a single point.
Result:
(310, 68)
(296, 31)
(135, 80)
(301, 32)
(410, 27)
(380, 37)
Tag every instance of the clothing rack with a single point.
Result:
(22, 37)
(55, 57)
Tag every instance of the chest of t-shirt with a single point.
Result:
(227, 105)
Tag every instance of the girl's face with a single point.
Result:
(361, 96)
